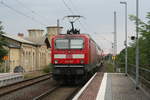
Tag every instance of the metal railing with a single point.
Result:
(144, 75)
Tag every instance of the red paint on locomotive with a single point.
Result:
(74, 57)
(68, 53)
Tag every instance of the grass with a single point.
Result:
(45, 70)
(33, 74)
(109, 68)
(48, 68)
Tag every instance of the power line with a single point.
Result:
(84, 22)
(32, 11)
(66, 5)
(102, 37)
(82, 25)
(75, 8)
(72, 12)
(21, 13)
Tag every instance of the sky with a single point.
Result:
(21, 15)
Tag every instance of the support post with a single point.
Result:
(126, 48)
(58, 24)
(126, 41)
(137, 44)
(115, 40)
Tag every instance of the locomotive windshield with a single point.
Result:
(62, 44)
(69, 43)
(76, 43)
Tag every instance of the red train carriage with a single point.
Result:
(74, 57)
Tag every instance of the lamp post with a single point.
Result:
(126, 50)
(137, 44)
(115, 41)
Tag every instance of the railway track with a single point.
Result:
(58, 93)
(46, 93)
(22, 84)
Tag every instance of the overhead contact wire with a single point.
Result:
(21, 13)
(32, 11)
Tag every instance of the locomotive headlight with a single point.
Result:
(56, 61)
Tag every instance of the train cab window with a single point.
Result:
(76, 43)
(62, 44)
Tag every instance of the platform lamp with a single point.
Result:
(137, 44)
(126, 48)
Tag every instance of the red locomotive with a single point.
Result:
(74, 56)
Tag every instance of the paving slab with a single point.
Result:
(116, 86)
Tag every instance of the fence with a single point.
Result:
(144, 75)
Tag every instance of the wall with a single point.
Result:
(14, 55)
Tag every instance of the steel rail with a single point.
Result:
(40, 97)
(46, 93)
(23, 81)
(70, 97)
(22, 84)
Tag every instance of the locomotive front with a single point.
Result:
(69, 56)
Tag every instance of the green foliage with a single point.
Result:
(3, 52)
(48, 68)
(144, 44)
(109, 67)
(3, 70)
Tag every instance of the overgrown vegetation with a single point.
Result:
(48, 69)
(3, 52)
(109, 67)
(30, 75)
(144, 55)
(144, 45)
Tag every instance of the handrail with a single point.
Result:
(142, 72)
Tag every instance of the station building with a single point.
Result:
(30, 53)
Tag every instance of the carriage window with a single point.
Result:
(76, 43)
(62, 44)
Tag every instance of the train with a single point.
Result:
(75, 57)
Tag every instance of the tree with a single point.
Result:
(144, 40)
(3, 51)
(144, 44)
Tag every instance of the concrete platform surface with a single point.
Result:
(119, 87)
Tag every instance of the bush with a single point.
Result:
(48, 68)
(109, 68)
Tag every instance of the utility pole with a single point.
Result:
(112, 51)
(126, 48)
(58, 24)
(137, 44)
(115, 40)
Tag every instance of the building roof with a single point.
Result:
(35, 30)
(41, 41)
(54, 27)
(19, 39)
(13, 46)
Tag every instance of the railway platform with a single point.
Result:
(112, 86)
(9, 78)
